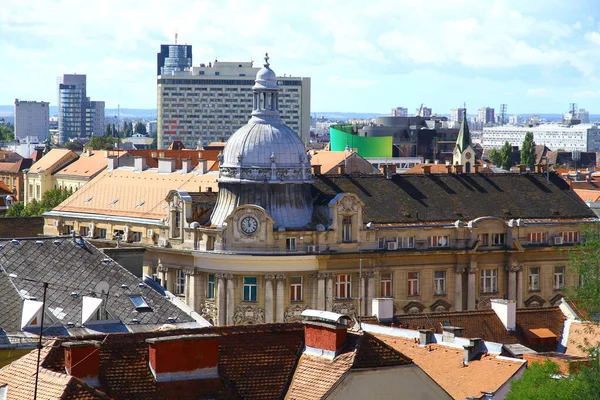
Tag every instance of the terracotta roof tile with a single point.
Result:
(444, 365)
(87, 165)
(581, 337)
(53, 160)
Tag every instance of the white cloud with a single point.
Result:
(539, 92)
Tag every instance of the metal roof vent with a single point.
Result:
(172, 319)
(124, 286)
(15, 242)
(135, 321)
(39, 242)
(141, 285)
(74, 295)
(57, 242)
(106, 260)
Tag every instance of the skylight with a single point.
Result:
(141, 203)
(88, 200)
(140, 303)
(114, 201)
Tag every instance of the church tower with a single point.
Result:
(464, 154)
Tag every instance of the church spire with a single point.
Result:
(464, 136)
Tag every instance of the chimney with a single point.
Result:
(202, 168)
(184, 357)
(522, 168)
(316, 169)
(458, 169)
(186, 165)
(476, 168)
(139, 163)
(392, 169)
(324, 339)
(506, 310)
(82, 360)
(538, 168)
(112, 163)
(383, 308)
(425, 337)
(383, 168)
(341, 169)
(426, 169)
(448, 168)
(165, 165)
(473, 349)
(449, 333)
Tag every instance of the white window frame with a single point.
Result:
(537, 237)
(484, 239)
(179, 282)
(84, 231)
(347, 229)
(559, 277)
(489, 280)
(345, 283)
(290, 244)
(439, 241)
(439, 283)
(102, 233)
(250, 298)
(210, 286)
(533, 279)
(296, 289)
(498, 239)
(136, 236)
(387, 284)
(406, 242)
(381, 243)
(570, 237)
(413, 284)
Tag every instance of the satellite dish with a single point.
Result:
(101, 287)
(442, 241)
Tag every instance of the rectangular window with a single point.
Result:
(483, 239)
(413, 283)
(381, 243)
(570, 237)
(347, 229)
(290, 244)
(68, 229)
(439, 241)
(210, 287)
(102, 233)
(406, 242)
(537, 237)
(136, 237)
(386, 284)
(250, 288)
(296, 288)
(489, 280)
(84, 230)
(342, 286)
(498, 239)
(179, 282)
(559, 278)
(439, 282)
(534, 279)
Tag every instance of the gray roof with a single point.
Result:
(72, 265)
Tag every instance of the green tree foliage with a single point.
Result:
(108, 130)
(7, 132)
(34, 208)
(102, 142)
(139, 128)
(584, 262)
(495, 158)
(506, 161)
(75, 146)
(528, 151)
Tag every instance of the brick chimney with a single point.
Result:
(341, 169)
(82, 360)
(448, 169)
(166, 165)
(522, 168)
(426, 169)
(316, 169)
(184, 357)
(139, 163)
(458, 169)
(324, 339)
(476, 168)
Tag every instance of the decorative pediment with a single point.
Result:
(440, 305)
(248, 315)
(414, 307)
(534, 301)
(347, 203)
(555, 300)
(292, 313)
(344, 308)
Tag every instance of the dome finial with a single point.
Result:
(267, 59)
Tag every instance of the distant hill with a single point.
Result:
(127, 113)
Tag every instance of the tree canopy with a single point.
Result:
(7, 132)
(495, 157)
(140, 128)
(506, 161)
(528, 151)
(34, 208)
(102, 142)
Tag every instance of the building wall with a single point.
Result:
(21, 227)
(582, 137)
(407, 382)
(14, 180)
(203, 107)
(31, 119)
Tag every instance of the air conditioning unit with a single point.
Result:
(126, 229)
(91, 230)
(56, 222)
(310, 248)
(392, 246)
(150, 233)
(162, 242)
(558, 240)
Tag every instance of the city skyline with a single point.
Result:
(535, 57)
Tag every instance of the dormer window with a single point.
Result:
(140, 304)
(347, 229)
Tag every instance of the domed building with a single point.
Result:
(265, 164)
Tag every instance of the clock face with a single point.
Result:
(468, 155)
(249, 225)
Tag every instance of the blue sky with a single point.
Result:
(534, 55)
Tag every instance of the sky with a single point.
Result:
(537, 56)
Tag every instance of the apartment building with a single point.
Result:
(566, 137)
(32, 119)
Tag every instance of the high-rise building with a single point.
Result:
(423, 112)
(400, 112)
(583, 116)
(485, 115)
(32, 119)
(457, 114)
(77, 115)
(210, 102)
(172, 58)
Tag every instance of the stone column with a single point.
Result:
(520, 287)
(512, 281)
(199, 290)
(321, 291)
(471, 290)
(171, 276)
(329, 293)
(279, 302)
(368, 282)
(314, 290)
(221, 305)
(458, 290)
(230, 298)
(162, 274)
(189, 291)
(361, 295)
(269, 298)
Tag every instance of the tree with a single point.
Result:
(102, 142)
(15, 210)
(495, 157)
(506, 156)
(584, 262)
(75, 146)
(140, 128)
(107, 130)
(528, 151)
(34, 208)
(7, 133)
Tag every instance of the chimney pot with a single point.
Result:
(165, 165)
(139, 163)
(186, 165)
(82, 360)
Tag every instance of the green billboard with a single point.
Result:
(341, 136)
